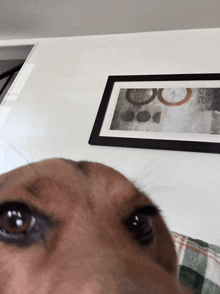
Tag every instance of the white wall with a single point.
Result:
(55, 18)
(54, 113)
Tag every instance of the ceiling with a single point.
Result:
(54, 18)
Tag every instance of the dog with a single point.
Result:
(81, 227)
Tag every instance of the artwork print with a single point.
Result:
(170, 112)
(174, 110)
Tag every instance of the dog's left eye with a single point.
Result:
(140, 224)
(20, 224)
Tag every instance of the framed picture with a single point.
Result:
(170, 112)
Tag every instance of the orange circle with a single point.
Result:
(188, 96)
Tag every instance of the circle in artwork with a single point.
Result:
(156, 117)
(140, 97)
(175, 95)
(128, 115)
(143, 116)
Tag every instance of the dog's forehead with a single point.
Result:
(95, 179)
(60, 167)
(104, 176)
(51, 170)
(100, 170)
(107, 181)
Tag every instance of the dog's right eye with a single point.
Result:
(20, 224)
(15, 218)
(140, 224)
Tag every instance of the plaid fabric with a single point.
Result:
(199, 264)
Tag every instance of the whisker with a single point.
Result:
(17, 150)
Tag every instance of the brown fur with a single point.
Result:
(87, 249)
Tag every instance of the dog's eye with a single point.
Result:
(140, 224)
(15, 218)
(20, 224)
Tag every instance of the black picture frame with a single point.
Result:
(181, 141)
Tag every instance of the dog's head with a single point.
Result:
(81, 227)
